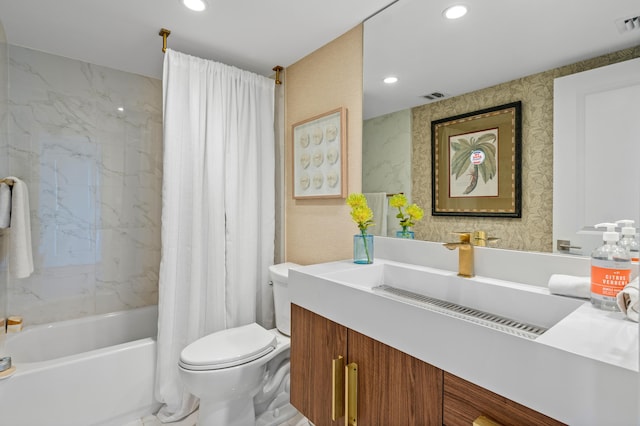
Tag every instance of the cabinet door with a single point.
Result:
(315, 342)
(464, 402)
(394, 388)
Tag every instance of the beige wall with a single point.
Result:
(331, 77)
(534, 230)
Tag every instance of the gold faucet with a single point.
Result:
(480, 239)
(465, 254)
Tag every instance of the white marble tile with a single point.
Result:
(94, 175)
(4, 161)
(386, 158)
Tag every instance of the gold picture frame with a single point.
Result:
(320, 156)
(476, 163)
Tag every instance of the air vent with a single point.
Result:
(628, 24)
(434, 96)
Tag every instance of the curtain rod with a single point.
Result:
(164, 33)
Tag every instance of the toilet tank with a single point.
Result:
(279, 276)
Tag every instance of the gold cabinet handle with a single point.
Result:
(337, 388)
(485, 421)
(351, 394)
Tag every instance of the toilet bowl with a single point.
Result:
(243, 373)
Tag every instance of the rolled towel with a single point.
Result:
(5, 205)
(569, 285)
(20, 250)
(378, 204)
(629, 300)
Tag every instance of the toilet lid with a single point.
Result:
(228, 348)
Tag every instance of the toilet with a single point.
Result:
(241, 375)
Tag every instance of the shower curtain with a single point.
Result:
(218, 211)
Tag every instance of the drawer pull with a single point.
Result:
(337, 388)
(351, 390)
(485, 421)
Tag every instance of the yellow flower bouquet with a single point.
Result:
(412, 213)
(362, 215)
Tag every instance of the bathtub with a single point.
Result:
(96, 370)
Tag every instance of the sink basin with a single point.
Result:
(493, 301)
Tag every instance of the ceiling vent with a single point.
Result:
(433, 96)
(628, 24)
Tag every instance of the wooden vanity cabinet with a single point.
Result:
(464, 402)
(315, 342)
(393, 387)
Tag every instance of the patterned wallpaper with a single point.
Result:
(533, 231)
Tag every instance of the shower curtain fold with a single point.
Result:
(218, 211)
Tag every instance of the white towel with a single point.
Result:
(378, 203)
(5, 205)
(20, 251)
(569, 285)
(629, 300)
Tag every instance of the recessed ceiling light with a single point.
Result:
(390, 80)
(455, 12)
(197, 5)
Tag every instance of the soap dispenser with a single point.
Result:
(610, 269)
(628, 239)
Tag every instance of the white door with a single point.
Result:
(596, 152)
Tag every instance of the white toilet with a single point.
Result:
(241, 375)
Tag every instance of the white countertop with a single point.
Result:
(583, 370)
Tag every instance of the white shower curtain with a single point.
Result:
(218, 211)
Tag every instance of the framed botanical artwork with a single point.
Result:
(476, 163)
(319, 156)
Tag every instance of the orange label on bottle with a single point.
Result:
(608, 282)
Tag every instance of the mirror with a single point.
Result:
(499, 52)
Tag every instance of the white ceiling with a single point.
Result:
(255, 35)
(497, 41)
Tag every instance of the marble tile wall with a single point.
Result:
(386, 158)
(87, 140)
(4, 160)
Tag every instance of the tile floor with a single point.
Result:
(192, 420)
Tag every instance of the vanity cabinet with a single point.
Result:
(393, 388)
(464, 402)
(315, 343)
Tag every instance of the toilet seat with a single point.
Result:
(228, 348)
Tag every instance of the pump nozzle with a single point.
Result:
(627, 226)
(610, 235)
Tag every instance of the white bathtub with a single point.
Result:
(97, 370)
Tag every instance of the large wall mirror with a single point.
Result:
(499, 52)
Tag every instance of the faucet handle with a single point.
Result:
(480, 239)
(465, 237)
